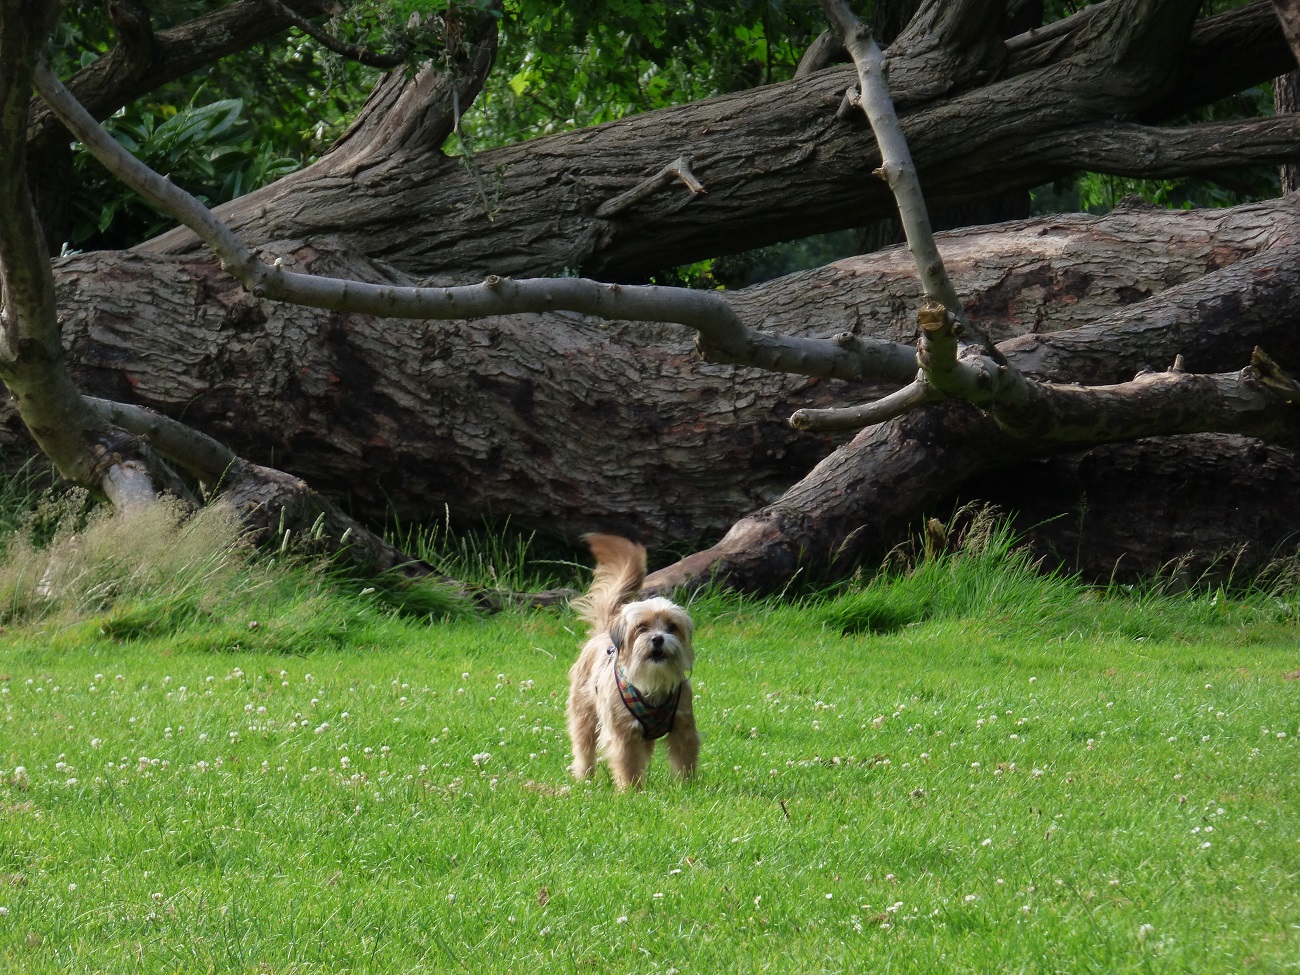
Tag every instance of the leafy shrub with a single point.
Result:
(208, 149)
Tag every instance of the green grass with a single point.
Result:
(1032, 776)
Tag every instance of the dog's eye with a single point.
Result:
(642, 628)
(670, 627)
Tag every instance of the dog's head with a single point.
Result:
(653, 638)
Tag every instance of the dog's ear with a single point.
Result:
(617, 632)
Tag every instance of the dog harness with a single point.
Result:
(656, 720)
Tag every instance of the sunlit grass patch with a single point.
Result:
(295, 777)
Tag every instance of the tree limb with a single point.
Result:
(1060, 416)
(201, 455)
(102, 458)
(353, 52)
(896, 167)
(917, 393)
(1148, 152)
(776, 163)
(1288, 13)
(723, 336)
(122, 75)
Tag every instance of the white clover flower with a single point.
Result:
(621, 919)
(481, 758)
(1145, 930)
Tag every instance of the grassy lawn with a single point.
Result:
(966, 768)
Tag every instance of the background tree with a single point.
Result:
(496, 414)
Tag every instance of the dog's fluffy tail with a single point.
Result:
(620, 571)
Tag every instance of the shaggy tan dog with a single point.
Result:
(630, 685)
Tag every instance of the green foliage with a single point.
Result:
(578, 64)
(205, 147)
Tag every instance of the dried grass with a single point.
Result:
(67, 560)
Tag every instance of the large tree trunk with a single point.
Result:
(565, 424)
(777, 162)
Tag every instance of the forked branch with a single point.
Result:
(1254, 400)
(897, 168)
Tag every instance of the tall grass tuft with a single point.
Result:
(988, 578)
(986, 572)
(70, 561)
(493, 557)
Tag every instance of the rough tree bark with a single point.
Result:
(529, 417)
(495, 416)
(778, 164)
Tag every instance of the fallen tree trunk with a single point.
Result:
(564, 424)
(776, 161)
(855, 505)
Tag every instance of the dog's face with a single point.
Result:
(654, 641)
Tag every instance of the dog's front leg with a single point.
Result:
(628, 760)
(684, 739)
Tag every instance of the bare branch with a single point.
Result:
(825, 50)
(353, 52)
(1038, 36)
(679, 168)
(897, 168)
(1254, 401)
(917, 393)
(723, 336)
(198, 453)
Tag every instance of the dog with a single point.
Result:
(631, 683)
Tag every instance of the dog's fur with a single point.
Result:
(655, 640)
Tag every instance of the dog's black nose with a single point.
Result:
(658, 641)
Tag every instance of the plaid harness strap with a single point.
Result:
(656, 720)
